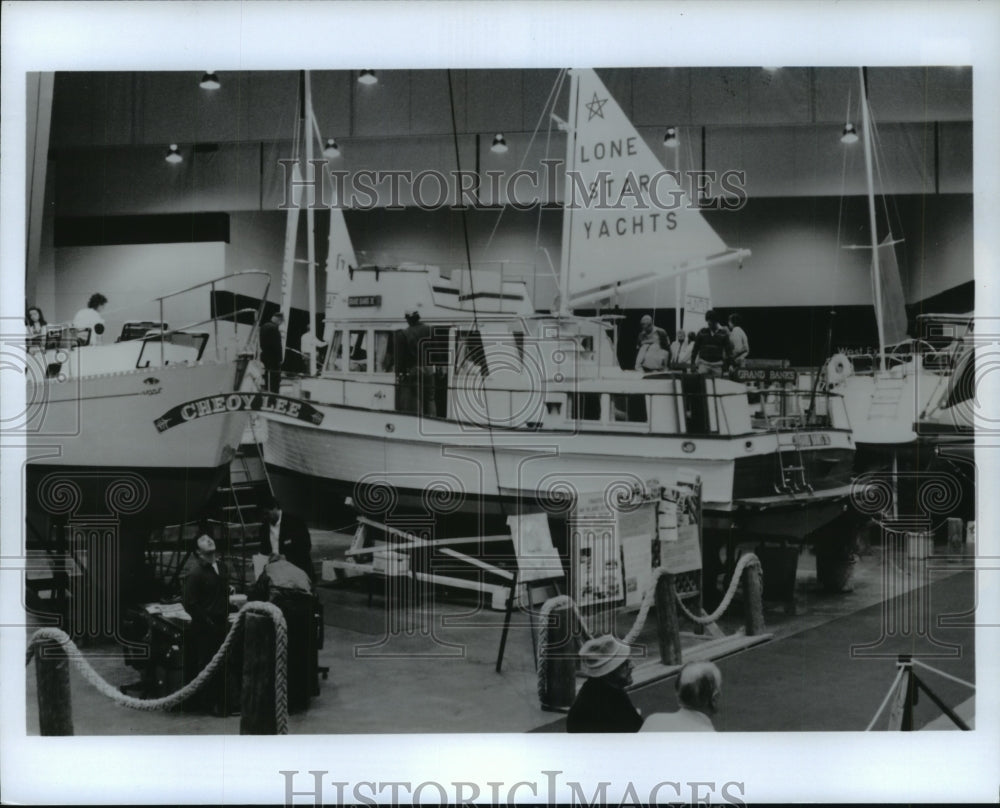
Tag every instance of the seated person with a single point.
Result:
(699, 688)
(602, 705)
(289, 588)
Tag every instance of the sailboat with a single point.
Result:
(529, 408)
(886, 393)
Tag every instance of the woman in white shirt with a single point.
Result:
(90, 317)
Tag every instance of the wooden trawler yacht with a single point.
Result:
(520, 408)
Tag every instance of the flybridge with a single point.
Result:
(389, 291)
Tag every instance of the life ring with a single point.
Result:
(838, 368)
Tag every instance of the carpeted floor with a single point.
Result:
(813, 681)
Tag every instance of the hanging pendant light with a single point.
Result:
(173, 155)
(210, 81)
(499, 144)
(850, 134)
(670, 138)
(331, 149)
(367, 77)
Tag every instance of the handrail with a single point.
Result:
(241, 273)
(722, 424)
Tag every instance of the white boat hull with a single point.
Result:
(387, 461)
(94, 447)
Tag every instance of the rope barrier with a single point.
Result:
(748, 559)
(174, 699)
(648, 598)
(942, 673)
(543, 636)
(881, 707)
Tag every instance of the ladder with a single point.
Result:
(885, 398)
(791, 476)
(239, 503)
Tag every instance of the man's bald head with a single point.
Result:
(699, 686)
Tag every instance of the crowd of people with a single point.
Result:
(714, 350)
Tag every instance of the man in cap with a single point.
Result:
(699, 688)
(205, 598)
(602, 705)
(414, 374)
(271, 353)
(651, 338)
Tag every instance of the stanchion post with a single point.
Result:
(668, 629)
(753, 600)
(956, 534)
(559, 656)
(257, 710)
(55, 706)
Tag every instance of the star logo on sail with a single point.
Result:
(596, 107)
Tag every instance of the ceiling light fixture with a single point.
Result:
(331, 149)
(670, 138)
(210, 81)
(173, 156)
(499, 144)
(850, 134)
(367, 77)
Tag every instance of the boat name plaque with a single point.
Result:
(238, 402)
(359, 301)
(766, 375)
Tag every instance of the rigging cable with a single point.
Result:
(472, 294)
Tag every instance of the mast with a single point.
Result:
(876, 272)
(567, 225)
(307, 132)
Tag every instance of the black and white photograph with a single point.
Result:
(453, 409)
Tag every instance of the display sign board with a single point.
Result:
(595, 557)
(636, 529)
(537, 558)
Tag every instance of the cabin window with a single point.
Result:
(585, 406)
(586, 347)
(628, 407)
(964, 383)
(519, 343)
(384, 354)
(471, 352)
(334, 359)
(357, 347)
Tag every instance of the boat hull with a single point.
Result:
(389, 465)
(98, 447)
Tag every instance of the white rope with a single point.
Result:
(174, 699)
(647, 602)
(749, 559)
(881, 707)
(942, 673)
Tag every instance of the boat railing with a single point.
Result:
(214, 286)
(676, 411)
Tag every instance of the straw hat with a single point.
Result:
(602, 655)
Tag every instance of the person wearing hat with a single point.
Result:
(270, 350)
(205, 598)
(414, 375)
(652, 346)
(602, 705)
(699, 688)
